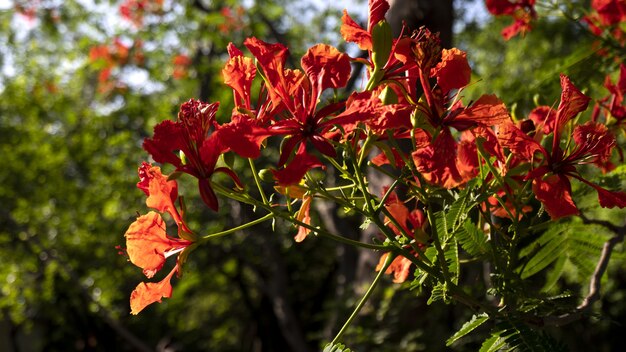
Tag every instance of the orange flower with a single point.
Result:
(413, 224)
(181, 62)
(147, 242)
(399, 267)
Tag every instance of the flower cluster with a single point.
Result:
(522, 11)
(606, 17)
(107, 58)
(411, 112)
(135, 10)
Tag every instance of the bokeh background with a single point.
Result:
(83, 82)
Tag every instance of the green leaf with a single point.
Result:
(492, 344)
(476, 321)
(338, 347)
(569, 242)
(451, 253)
(512, 335)
(438, 293)
(554, 274)
(545, 256)
(472, 240)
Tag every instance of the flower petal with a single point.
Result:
(147, 243)
(326, 67)
(271, 58)
(243, 136)
(399, 268)
(555, 193)
(238, 73)
(593, 140)
(161, 193)
(437, 161)
(151, 292)
(519, 143)
(304, 215)
(573, 101)
(295, 170)
(488, 110)
(352, 32)
(543, 117)
(377, 11)
(168, 136)
(453, 71)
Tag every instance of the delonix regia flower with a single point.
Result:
(551, 177)
(194, 135)
(147, 242)
(522, 11)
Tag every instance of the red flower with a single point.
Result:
(610, 11)
(613, 105)
(522, 11)
(413, 224)
(551, 179)
(191, 135)
(299, 93)
(437, 158)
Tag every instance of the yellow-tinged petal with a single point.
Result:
(305, 217)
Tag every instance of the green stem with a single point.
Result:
(372, 214)
(337, 188)
(364, 150)
(274, 212)
(375, 78)
(483, 154)
(390, 257)
(339, 167)
(381, 204)
(257, 181)
(235, 229)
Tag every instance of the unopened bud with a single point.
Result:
(382, 40)
(266, 175)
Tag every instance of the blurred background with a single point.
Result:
(83, 82)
